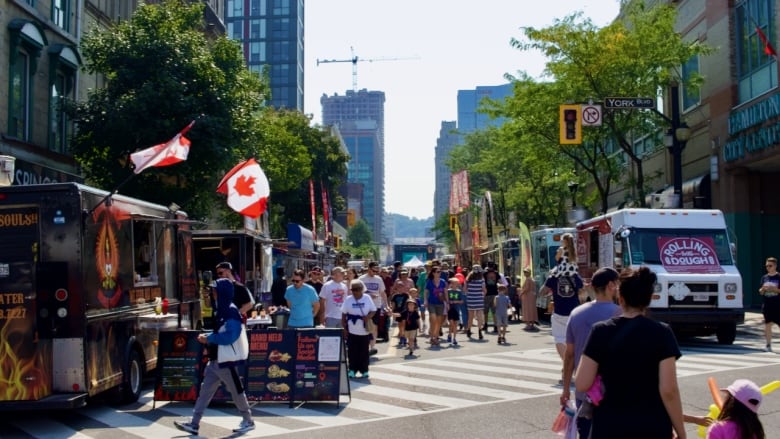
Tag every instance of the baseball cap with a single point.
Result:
(746, 392)
(603, 276)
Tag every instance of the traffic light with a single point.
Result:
(453, 222)
(571, 124)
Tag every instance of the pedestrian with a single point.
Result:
(397, 267)
(738, 418)
(501, 307)
(316, 279)
(241, 296)
(455, 299)
(414, 293)
(435, 299)
(528, 302)
(770, 290)
(635, 358)
(565, 257)
(422, 279)
(565, 290)
(582, 318)
(357, 311)
(475, 299)
(228, 348)
(398, 298)
(411, 319)
(278, 288)
(332, 298)
(492, 281)
(352, 275)
(375, 289)
(303, 302)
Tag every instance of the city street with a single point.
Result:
(478, 390)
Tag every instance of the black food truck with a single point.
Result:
(87, 281)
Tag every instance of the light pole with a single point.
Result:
(675, 139)
(573, 185)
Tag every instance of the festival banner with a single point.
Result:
(313, 211)
(459, 192)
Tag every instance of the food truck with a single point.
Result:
(699, 289)
(88, 278)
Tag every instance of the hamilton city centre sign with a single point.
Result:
(629, 103)
(748, 131)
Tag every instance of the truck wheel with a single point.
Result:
(133, 379)
(726, 333)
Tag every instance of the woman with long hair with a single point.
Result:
(738, 418)
(635, 357)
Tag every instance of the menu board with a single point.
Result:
(317, 365)
(269, 373)
(179, 357)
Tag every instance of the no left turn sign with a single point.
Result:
(591, 115)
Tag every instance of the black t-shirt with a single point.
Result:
(241, 295)
(411, 319)
(399, 301)
(278, 288)
(629, 352)
(316, 285)
(491, 283)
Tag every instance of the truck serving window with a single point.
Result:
(644, 249)
(144, 253)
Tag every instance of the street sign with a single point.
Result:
(629, 103)
(591, 115)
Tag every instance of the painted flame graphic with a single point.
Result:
(107, 264)
(23, 377)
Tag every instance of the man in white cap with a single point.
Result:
(332, 298)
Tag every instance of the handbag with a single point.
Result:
(236, 352)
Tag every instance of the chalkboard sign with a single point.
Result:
(317, 365)
(270, 366)
(179, 357)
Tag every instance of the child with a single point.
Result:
(398, 300)
(411, 319)
(454, 302)
(502, 309)
(414, 293)
(739, 416)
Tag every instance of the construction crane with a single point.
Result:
(354, 60)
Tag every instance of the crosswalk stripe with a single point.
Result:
(130, 423)
(758, 357)
(415, 396)
(449, 385)
(717, 361)
(485, 368)
(42, 428)
(385, 410)
(219, 418)
(517, 383)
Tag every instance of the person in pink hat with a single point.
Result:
(739, 416)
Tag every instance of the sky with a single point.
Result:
(453, 45)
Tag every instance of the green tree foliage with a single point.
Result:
(162, 72)
(359, 234)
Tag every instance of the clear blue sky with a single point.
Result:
(461, 44)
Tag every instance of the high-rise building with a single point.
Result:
(448, 139)
(271, 36)
(451, 135)
(360, 117)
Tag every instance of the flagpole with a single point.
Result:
(111, 194)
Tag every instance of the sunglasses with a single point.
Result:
(297, 281)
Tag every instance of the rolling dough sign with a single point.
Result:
(689, 255)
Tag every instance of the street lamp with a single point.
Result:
(675, 139)
(573, 185)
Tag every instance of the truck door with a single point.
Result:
(24, 356)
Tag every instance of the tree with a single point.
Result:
(359, 234)
(161, 73)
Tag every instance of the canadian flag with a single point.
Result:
(164, 154)
(246, 188)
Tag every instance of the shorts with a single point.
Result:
(453, 313)
(558, 323)
(771, 309)
(411, 334)
(502, 320)
(436, 310)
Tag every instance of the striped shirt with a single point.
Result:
(475, 298)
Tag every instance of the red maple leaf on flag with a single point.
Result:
(244, 185)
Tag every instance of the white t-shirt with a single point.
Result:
(334, 294)
(375, 287)
(357, 308)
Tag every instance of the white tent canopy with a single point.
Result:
(414, 262)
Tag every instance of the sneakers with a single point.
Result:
(768, 347)
(365, 375)
(351, 374)
(372, 352)
(449, 338)
(480, 335)
(244, 426)
(189, 427)
(454, 342)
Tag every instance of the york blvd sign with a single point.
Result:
(629, 103)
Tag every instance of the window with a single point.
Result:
(60, 10)
(256, 29)
(256, 52)
(690, 97)
(281, 7)
(281, 50)
(64, 63)
(27, 40)
(144, 253)
(258, 7)
(756, 70)
(235, 30)
(234, 8)
(281, 28)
